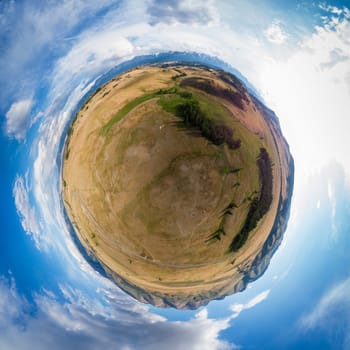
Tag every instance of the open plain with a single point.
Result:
(178, 182)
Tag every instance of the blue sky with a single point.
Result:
(295, 54)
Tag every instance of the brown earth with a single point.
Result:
(146, 197)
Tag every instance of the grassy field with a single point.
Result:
(208, 116)
(154, 189)
(125, 110)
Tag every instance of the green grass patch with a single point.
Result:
(132, 104)
(125, 110)
(214, 110)
(170, 102)
(204, 114)
(196, 111)
(225, 170)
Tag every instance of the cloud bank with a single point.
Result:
(87, 323)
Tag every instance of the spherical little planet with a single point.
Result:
(178, 181)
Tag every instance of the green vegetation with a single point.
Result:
(185, 94)
(209, 118)
(188, 108)
(216, 235)
(259, 205)
(132, 104)
(125, 110)
(154, 151)
(225, 170)
(177, 76)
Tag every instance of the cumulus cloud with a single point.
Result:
(86, 323)
(26, 210)
(181, 11)
(17, 118)
(103, 319)
(275, 34)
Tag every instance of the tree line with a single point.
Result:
(193, 116)
(259, 205)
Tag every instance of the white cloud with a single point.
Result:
(335, 56)
(333, 204)
(26, 210)
(36, 194)
(335, 298)
(45, 183)
(275, 34)
(331, 315)
(182, 11)
(11, 304)
(81, 322)
(333, 9)
(36, 33)
(93, 54)
(238, 308)
(312, 102)
(17, 118)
